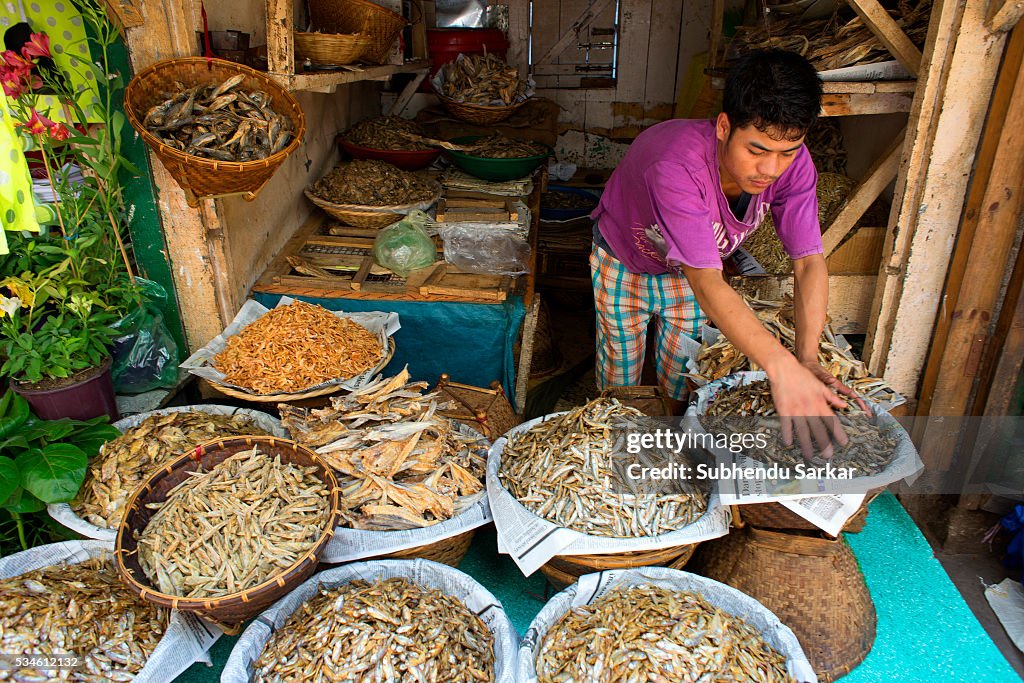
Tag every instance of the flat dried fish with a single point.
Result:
(78, 609)
(234, 526)
(128, 460)
(399, 464)
(387, 132)
(649, 633)
(390, 630)
(498, 146)
(292, 348)
(369, 182)
(562, 469)
(482, 79)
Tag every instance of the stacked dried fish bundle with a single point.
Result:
(722, 358)
(649, 633)
(482, 79)
(233, 527)
(744, 409)
(369, 182)
(400, 465)
(390, 630)
(128, 460)
(292, 348)
(563, 470)
(387, 132)
(222, 122)
(498, 146)
(78, 609)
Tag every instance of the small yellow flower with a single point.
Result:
(21, 290)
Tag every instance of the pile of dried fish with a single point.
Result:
(390, 630)
(498, 146)
(222, 122)
(387, 132)
(556, 199)
(723, 358)
(128, 460)
(482, 79)
(825, 143)
(835, 42)
(649, 633)
(400, 465)
(743, 410)
(563, 470)
(369, 182)
(292, 348)
(78, 609)
(233, 527)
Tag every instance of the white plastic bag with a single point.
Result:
(488, 252)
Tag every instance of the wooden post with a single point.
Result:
(280, 37)
(889, 32)
(1003, 15)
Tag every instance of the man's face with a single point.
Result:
(751, 158)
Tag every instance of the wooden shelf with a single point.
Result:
(870, 97)
(328, 81)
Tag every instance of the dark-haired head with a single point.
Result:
(776, 91)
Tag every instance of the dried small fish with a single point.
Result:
(387, 132)
(557, 199)
(650, 633)
(369, 182)
(399, 464)
(498, 146)
(562, 469)
(222, 122)
(234, 526)
(482, 79)
(295, 347)
(390, 630)
(78, 609)
(128, 460)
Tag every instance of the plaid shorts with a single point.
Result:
(625, 303)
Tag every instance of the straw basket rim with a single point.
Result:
(315, 46)
(480, 114)
(368, 208)
(278, 583)
(212, 164)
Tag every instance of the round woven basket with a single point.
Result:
(285, 398)
(199, 177)
(359, 16)
(364, 216)
(478, 113)
(449, 551)
(813, 584)
(230, 610)
(778, 516)
(331, 49)
(563, 570)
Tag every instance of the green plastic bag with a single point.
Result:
(405, 246)
(145, 354)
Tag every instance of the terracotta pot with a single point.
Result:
(90, 395)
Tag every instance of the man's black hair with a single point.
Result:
(776, 91)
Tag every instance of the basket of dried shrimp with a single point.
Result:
(271, 506)
(331, 49)
(237, 156)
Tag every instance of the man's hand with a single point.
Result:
(829, 380)
(805, 405)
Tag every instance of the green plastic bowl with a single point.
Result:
(494, 169)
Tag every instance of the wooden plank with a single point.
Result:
(861, 253)
(715, 43)
(868, 87)
(849, 296)
(407, 94)
(877, 178)
(889, 32)
(353, 74)
(859, 104)
(280, 37)
(126, 13)
(518, 34)
(663, 53)
(1003, 15)
(947, 118)
(634, 33)
(526, 353)
(364, 270)
(569, 34)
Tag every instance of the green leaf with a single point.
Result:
(14, 416)
(16, 442)
(10, 478)
(25, 503)
(55, 473)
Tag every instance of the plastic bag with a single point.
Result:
(486, 251)
(405, 246)
(145, 354)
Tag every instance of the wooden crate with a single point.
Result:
(849, 296)
(860, 253)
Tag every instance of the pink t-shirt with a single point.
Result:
(669, 181)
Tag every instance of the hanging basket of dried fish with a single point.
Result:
(359, 16)
(272, 506)
(331, 49)
(154, 93)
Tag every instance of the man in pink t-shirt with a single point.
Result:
(686, 195)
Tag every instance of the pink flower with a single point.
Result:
(14, 71)
(12, 87)
(38, 45)
(37, 124)
(59, 131)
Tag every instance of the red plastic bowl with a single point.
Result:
(409, 161)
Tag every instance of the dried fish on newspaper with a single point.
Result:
(561, 469)
(650, 633)
(400, 465)
(482, 79)
(79, 609)
(128, 460)
(744, 409)
(388, 630)
(233, 527)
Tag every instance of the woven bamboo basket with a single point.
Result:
(198, 177)
(359, 16)
(331, 49)
(486, 410)
(230, 610)
(479, 114)
(362, 216)
(286, 398)
(449, 551)
(813, 584)
(648, 400)
(778, 516)
(563, 570)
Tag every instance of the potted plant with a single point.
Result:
(62, 291)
